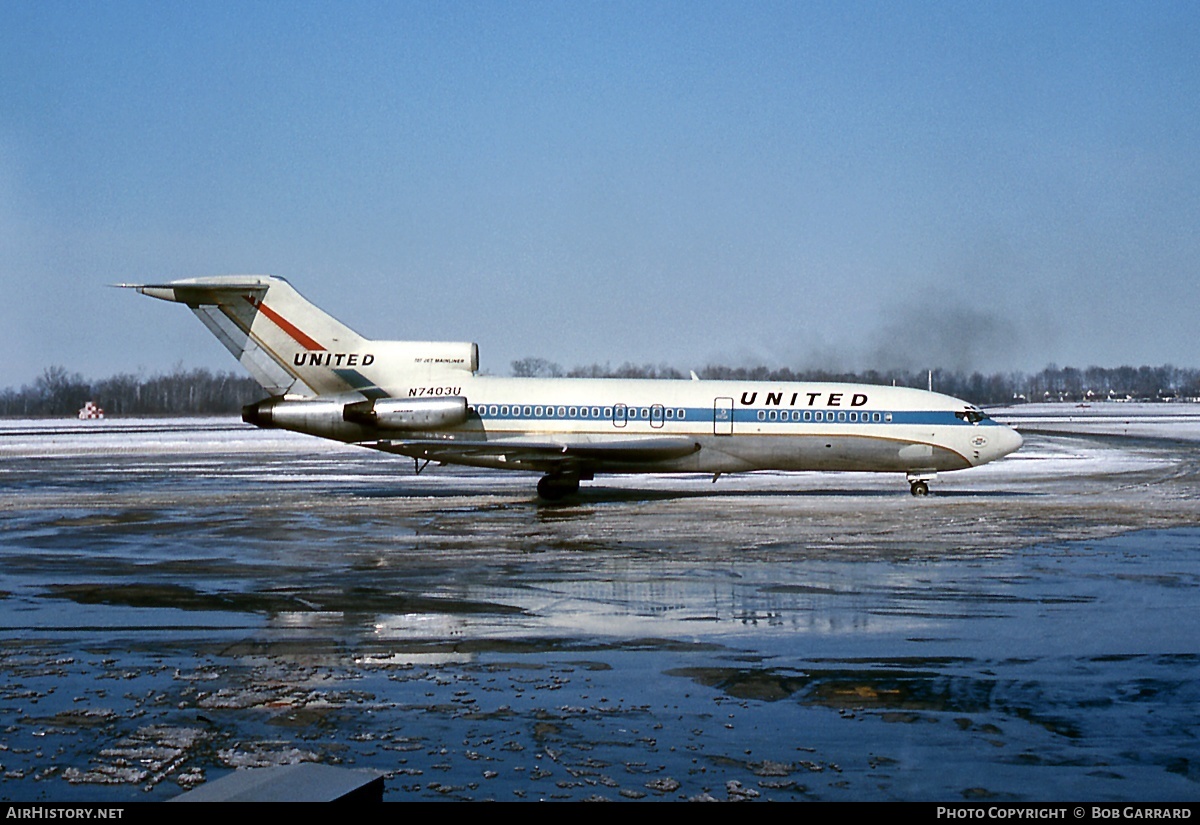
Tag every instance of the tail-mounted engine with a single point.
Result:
(356, 420)
(408, 413)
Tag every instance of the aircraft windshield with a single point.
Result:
(971, 416)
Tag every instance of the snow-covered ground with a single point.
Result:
(1176, 421)
(51, 436)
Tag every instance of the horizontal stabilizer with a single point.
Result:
(210, 291)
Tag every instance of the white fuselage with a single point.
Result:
(740, 425)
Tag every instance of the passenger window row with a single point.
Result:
(823, 416)
(541, 411)
(658, 414)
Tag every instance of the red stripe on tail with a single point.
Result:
(285, 325)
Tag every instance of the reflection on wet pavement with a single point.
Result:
(172, 613)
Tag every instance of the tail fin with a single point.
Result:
(293, 348)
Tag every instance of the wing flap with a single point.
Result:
(544, 453)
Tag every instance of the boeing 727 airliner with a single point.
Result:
(425, 400)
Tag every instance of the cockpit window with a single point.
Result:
(971, 416)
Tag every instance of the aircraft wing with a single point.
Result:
(543, 455)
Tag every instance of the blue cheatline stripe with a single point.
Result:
(704, 415)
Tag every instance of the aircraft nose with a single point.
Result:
(1009, 441)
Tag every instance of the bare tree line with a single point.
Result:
(57, 392)
(183, 392)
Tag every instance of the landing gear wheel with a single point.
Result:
(919, 488)
(555, 488)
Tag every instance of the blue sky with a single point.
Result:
(984, 185)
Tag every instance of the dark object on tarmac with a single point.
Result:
(305, 782)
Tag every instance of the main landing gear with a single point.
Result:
(918, 483)
(557, 486)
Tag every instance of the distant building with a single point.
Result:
(90, 411)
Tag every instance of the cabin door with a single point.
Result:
(722, 416)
